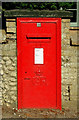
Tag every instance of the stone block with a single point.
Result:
(74, 36)
(11, 24)
(13, 65)
(9, 53)
(14, 98)
(13, 83)
(14, 59)
(8, 62)
(5, 69)
(2, 36)
(4, 76)
(68, 24)
(12, 36)
(68, 53)
(12, 79)
(74, 90)
(13, 74)
(7, 88)
(13, 30)
(5, 58)
(14, 88)
(6, 47)
(1, 72)
(65, 20)
(11, 68)
(13, 47)
(10, 20)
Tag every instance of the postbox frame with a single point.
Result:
(58, 58)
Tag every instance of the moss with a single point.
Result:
(37, 13)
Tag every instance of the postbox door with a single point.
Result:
(37, 65)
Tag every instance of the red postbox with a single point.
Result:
(39, 62)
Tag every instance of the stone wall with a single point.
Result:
(9, 66)
(9, 73)
(69, 68)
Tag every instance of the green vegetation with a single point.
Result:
(38, 5)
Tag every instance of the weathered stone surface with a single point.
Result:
(13, 30)
(11, 68)
(74, 35)
(0, 65)
(6, 47)
(13, 74)
(5, 58)
(1, 71)
(13, 59)
(8, 62)
(1, 104)
(69, 66)
(11, 24)
(2, 36)
(0, 94)
(12, 79)
(13, 84)
(5, 69)
(66, 21)
(0, 46)
(14, 98)
(13, 47)
(13, 88)
(2, 62)
(7, 87)
(8, 36)
(9, 53)
(4, 76)
(10, 20)
(12, 93)
(13, 65)
(0, 52)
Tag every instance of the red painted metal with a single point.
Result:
(39, 81)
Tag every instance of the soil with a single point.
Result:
(8, 112)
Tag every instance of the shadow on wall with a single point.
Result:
(3, 26)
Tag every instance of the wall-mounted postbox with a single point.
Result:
(39, 62)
